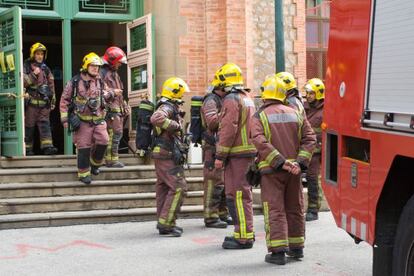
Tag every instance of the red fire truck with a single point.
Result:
(368, 155)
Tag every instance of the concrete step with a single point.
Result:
(87, 203)
(98, 187)
(33, 175)
(59, 161)
(94, 217)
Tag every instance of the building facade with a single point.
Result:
(186, 38)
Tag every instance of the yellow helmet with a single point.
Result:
(288, 79)
(317, 86)
(229, 75)
(91, 59)
(273, 88)
(174, 88)
(37, 47)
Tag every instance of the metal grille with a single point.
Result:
(28, 4)
(7, 80)
(8, 118)
(139, 37)
(6, 33)
(105, 6)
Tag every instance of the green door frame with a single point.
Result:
(68, 11)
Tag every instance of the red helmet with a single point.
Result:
(114, 54)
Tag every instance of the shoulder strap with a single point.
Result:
(75, 85)
(26, 66)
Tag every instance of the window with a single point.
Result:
(317, 36)
(104, 6)
(28, 4)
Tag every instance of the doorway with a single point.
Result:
(48, 33)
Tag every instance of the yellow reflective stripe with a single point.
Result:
(300, 122)
(174, 204)
(317, 150)
(156, 149)
(146, 106)
(266, 221)
(95, 163)
(158, 130)
(242, 218)
(163, 221)
(34, 101)
(243, 129)
(63, 115)
(196, 103)
(209, 195)
(266, 127)
(235, 149)
(317, 129)
(296, 239)
(89, 117)
(244, 136)
(263, 164)
(304, 153)
(84, 174)
(269, 158)
(80, 100)
(278, 243)
(166, 123)
(115, 110)
(45, 142)
(249, 235)
(108, 155)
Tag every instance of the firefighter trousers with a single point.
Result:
(40, 117)
(312, 180)
(115, 129)
(91, 142)
(282, 200)
(170, 189)
(239, 197)
(214, 196)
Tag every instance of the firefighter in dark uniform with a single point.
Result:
(171, 186)
(39, 98)
(82, 105)
(215, 207)
(235, 152)
(315, 95)
(118, 109)
(285, 142)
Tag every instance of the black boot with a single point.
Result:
(232, 243)
(95, 170)
(171, 232)
(311, 216)
(50, 150)
(278, 258)
(160, 226)
(228, 220)
(216, 224)
(87, 179)
(296, 253)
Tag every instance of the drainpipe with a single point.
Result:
(279, 36)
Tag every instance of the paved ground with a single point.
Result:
(136, 249)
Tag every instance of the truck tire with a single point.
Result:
(403, 253)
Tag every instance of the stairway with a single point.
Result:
(43, 191)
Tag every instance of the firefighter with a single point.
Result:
(315, 94)
(118, 109)
(294, 98)
(235, 152)
(285, 142)
(171, 186)
(215, 209)
(40, 99)
(82, 108)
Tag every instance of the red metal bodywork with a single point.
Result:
(347, 62)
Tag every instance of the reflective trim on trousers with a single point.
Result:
(240, 212)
